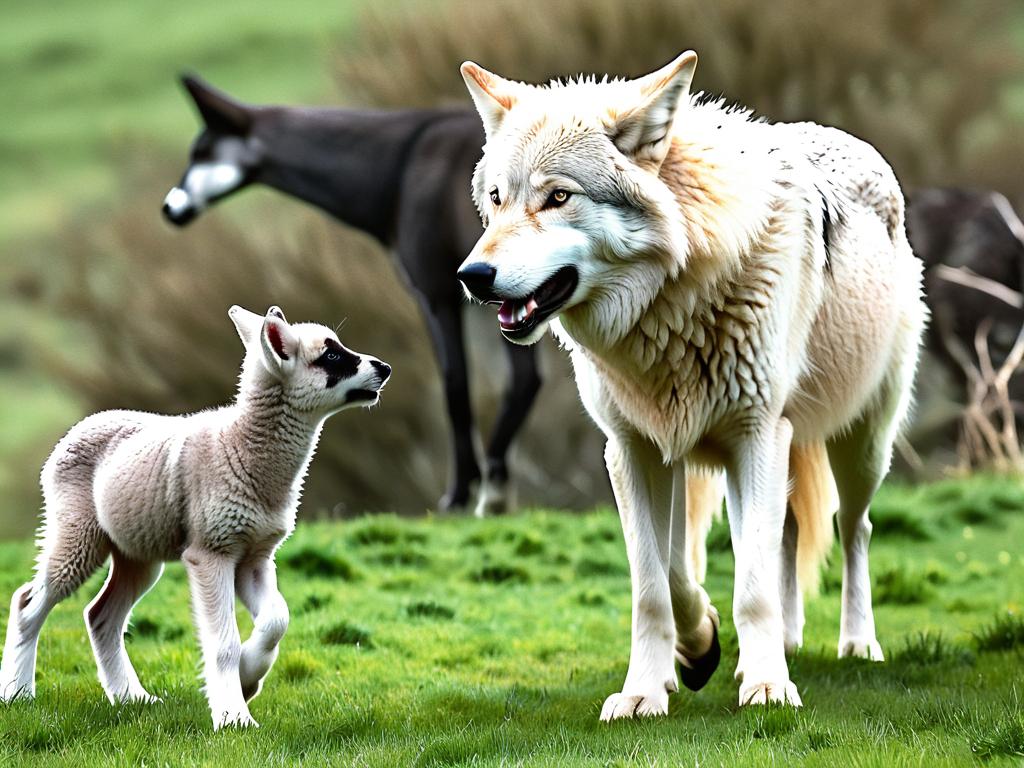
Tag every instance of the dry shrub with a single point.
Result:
(924, 80)
(150, 303)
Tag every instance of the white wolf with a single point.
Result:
(218, 489)
(735, 295)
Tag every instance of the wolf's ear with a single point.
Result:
(278, 341)
(218, 110)
(641, 131)
(247, 323)
(493, 96)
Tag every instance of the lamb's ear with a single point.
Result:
(493, 96)
(247, 324)
(279, 343)
(219, 111)
(641, 131)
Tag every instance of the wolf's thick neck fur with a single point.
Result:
(674, 338)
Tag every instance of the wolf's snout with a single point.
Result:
(478, 278)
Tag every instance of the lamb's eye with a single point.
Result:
(557, 198)
(495, 197)
(333, 357)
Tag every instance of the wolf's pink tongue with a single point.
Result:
(507, 313)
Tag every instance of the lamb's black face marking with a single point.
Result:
(338, 362)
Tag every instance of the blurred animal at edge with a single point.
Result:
(972, 245)
(218, 489)
(734, 294)
(403, 178)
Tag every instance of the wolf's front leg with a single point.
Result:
(212, 581)
(757, 482)
(256, 583)
(643, 492)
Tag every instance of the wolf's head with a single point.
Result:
(568, 190)
(225, 155)
(318, 374)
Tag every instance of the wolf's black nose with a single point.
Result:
(478, 278)
(382, 368)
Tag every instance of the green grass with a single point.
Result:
(499, 644)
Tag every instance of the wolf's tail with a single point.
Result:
(812, 497)
(814, 501)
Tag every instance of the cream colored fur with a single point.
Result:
(745, 300)
(218, 489)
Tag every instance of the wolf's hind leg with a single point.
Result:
(256, 585)
(106, 618)
(73, 547)
(860, 459)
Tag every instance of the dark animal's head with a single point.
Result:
(225, 156)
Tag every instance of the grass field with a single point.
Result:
(453, 641)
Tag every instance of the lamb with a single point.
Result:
(218, 489)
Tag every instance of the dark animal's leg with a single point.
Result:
(445, 321)
(519, 397)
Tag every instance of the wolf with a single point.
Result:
(736, 296)
(399, 176)
(218, 489)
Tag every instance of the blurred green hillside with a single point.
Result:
(95, 129)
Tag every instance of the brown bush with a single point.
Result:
(152, 305)
(924, 80)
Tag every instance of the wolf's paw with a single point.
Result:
(860, 649)
(623, 705)
(695, 672)
(234, 720)
(777, 692)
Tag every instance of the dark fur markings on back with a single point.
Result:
(338, 362)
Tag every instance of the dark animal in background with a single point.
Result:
(969, 239)
(404, 178)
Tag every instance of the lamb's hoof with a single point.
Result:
(781, 692)
(12, 692)
(695, 673)
(861, 649)
(621, 706)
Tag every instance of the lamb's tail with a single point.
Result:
(814, 501)
(812, 498)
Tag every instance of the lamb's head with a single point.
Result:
(317, 373)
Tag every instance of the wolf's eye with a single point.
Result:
(495, 197)
(557, 198)
(333, 357)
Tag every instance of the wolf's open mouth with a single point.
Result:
(518, 317)
(362, 396)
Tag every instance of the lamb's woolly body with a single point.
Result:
(743, 289)
(218, 489)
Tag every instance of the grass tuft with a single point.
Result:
(501, 574)
(429, 609)
(343, 633)
(1005, 633)
(931, 648)
(898, 586)
(1003, 737)
(314, 562)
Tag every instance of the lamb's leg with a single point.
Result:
(256, 584)
(73, 547)
(212, 579)
(106, 618)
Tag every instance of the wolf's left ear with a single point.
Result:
(493, 96)
(279, 343)
(642, 131)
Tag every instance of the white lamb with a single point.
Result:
(218, 489)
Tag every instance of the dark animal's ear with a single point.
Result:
(219, 111)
